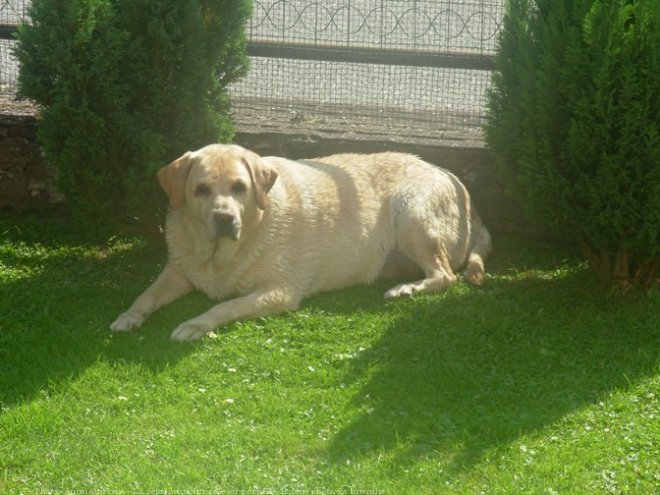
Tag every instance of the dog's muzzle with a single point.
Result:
(226, 225)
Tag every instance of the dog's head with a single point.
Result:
(220, 186)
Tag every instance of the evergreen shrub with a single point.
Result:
(574, 125)
(125, 86)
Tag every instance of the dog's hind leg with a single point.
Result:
(436, 267)
(481, 247)
(422, 234)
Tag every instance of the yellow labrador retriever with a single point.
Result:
(261, 233)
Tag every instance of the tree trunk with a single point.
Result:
(624, 268)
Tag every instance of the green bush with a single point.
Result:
(574, 116)
(125, 86)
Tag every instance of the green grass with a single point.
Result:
(540, 382)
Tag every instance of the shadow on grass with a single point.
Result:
(457, 374)
(472, 370)
(58, 295)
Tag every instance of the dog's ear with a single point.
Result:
(173, 179)
(263, 177)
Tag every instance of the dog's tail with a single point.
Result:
(481, 247)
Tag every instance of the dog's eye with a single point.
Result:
(202, 190)
(238, 187)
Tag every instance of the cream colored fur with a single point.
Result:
(260, 233)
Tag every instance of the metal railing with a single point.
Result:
(388, 64)
(419, 33)
(12, 12)
(382, 67)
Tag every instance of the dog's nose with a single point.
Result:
(223, 219)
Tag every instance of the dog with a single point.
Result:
(262, 233)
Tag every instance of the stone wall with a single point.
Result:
(469, 160)
(26, 178)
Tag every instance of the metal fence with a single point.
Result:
(11, 13)
(381, 67)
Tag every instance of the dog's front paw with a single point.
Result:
(190, 330)
(129, 320)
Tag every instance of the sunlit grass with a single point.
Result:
(539, 382)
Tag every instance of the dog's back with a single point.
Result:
(354, 210)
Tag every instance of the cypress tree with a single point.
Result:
(124, 87)
(573, 123)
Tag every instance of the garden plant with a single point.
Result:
(574, 125)
(125, 86)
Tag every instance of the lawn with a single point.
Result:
(540, 382)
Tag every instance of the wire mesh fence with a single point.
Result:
(454, 26)
(370, 66)
(383, 67)
(12, 12)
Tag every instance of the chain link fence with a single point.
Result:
(382, 68)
